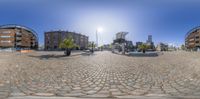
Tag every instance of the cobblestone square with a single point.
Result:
(101, 75)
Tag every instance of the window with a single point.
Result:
(5, 36)
(18, 33)
(6, 32)
(8, 41)
(197, 41)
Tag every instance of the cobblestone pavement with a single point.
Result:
(101, 75)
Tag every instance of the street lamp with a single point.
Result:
(99, 29)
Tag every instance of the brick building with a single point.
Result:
(192, 39)
(16, 37)
(54, 38)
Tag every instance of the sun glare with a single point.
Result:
(99, 29)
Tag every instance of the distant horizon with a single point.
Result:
(134, 42)
(167, 21)
(170, 44)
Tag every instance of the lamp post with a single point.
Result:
(97, 38)
(99, 29)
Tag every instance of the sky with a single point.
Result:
(166, 20)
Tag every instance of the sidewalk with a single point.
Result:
(127, 97)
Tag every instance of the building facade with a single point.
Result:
(120, 38)
(121, 35)
(16, 37)
(121, 43)
(129, 45)
(162, 47)
(150, 43)
(54, 38)
(149, 40)
(192, 39)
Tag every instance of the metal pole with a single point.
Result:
(92, 47)
(96, 39)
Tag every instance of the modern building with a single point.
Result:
(129, 45)
(162, 47)
(120, 43)
(150, 43)
(54, 38)
(149, 40)
(120, 37)
(192, 39)
(17, 37)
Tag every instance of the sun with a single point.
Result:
(99, 29)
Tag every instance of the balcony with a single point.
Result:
(5, 36)
(18, 38)
(5, 41)
(192, 39)
(18, 34)
(18, 43)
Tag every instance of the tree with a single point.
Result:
(101, 48)
(68, 44)
(143, 47)
(183, 47)
(110, 46)
(91, 45)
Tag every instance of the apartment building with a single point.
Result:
(54, 38)
(17, 37)
(192, 39)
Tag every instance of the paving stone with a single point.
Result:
(101, 75)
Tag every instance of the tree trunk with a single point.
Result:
(92, 48)
(67, 52)
(143, 51)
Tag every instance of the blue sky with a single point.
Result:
(167, 20)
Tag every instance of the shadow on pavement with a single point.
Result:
(50, 56)
(154, 54)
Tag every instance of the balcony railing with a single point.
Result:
(18, 43)
(18, 38)
(18, 33)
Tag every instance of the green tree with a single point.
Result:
(143, 47)
(183, 47)
(91, 46)
(67, 44)
(110, 46)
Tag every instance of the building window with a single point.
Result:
(197, 37)
(5, 36)
(8, 41)
(6, 32)
(197, 41)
